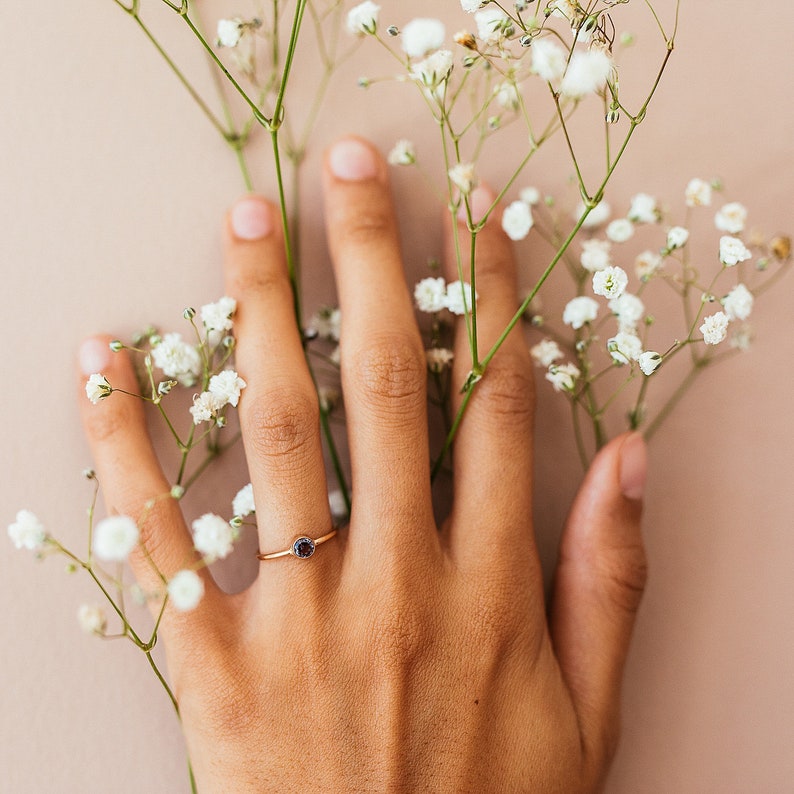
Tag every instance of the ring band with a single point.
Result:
(302, 547)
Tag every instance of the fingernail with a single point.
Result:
(352, 160)
(251, 219)
(480, 201)
(94, 356)
(633, 466)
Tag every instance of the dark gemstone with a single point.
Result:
(303, 548)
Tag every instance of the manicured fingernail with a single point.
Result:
(480, 202)
(352, 160)
(633, 466)
(94, 356)
(251, 219)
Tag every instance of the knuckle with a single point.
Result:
(396, 635)
(508, 388)
(281, 421)
(625, 571)
(392, 370)
(251, 275)
(108, 420)
(363, 228)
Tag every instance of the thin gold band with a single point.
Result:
(292, 551)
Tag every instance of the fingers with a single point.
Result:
(382, 360)
(128, 471)
(279, 412)
(492, 453)
(599, 582)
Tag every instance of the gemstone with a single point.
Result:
(303, 547)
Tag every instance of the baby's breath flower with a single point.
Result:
(114, 538)
(337, 505)
(218, 316)
(185, 590)
(549, 59)
(226, 387)
(492, 25)
(587, 73)
(517, 220)
(698, 193)
(563, 376)
(624, 347)
(243, 502)
(507, 95)
(595, 255)
(430, 295)
(465, 39)
(610, 282)
(27, 532)
(177, 359)
(646, 264)
(649, 362)
(438, 358)
(629, 310)
(326, 322)
(230, 31)
(714, 328)
(738, 303)
(92, 619)
(742, 337)
(205, 407)
(434, 69)
(363, 19)
(564, 8)
(464, 177)
(733, 251)
(579, 311)
(402, 153)
(731, 218)
(545, 353)
(598, 215)
(213, 537)
(530, 195)
(677, 237)
(620, 230)
(97, 388)
(459, 298)
(643, 209)
(421, 36)
(470, 6)
(328, 398)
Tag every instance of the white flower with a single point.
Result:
(646, 264)
(507, 95)
(92, 619)
(643, 209)
(733, 251)
(549, 59)
(430, 295)
(403, 153)
(677, 237)
(563, 376)
(611, 282)
(337, 505)
(363, 18)
(213, 537)
(177, 359)
(530, 195)
(629, 310)
(185, 590)
(624, 347)
(205, 407)
(714, 328)
(97, 388)
(27, 532)
(649, 362)
(579, 311)
(492, 24)
(517, 220)
(742, 338)
(326, 323)
(738, 303)
(458, 298)
(226, 387)
(230, 31)
(470, 6)
(620, 230)
(598, 215)
(698, 193)
(731, 218)
(114, 538)
(587, 73)
(218, 316)
(564, 8)
(421, 36)
(464, 177)
(595, 255)
(434, 69)
(243, 502)
(438, 358)
(545, 352)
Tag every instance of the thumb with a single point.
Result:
(599, 582)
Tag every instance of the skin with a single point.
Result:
(403, 656)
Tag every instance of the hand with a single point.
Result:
(401, 656)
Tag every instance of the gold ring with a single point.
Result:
(301, 547)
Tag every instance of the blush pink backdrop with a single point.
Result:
(113, 189)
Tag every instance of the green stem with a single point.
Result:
(335, 460)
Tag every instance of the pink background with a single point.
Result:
(113, 187)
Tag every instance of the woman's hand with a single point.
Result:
(401, 656)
